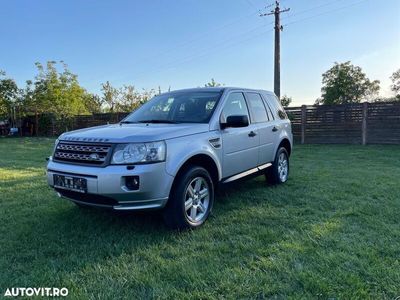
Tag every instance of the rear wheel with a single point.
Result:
(191, 199)
(279, 171)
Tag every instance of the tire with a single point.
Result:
(279, 171)
(191, 199)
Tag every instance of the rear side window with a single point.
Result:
(276, 106)
(257, 108)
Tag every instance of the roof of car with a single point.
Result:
(217, 89)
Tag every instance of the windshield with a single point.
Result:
(181, 107)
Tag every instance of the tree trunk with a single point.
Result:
(36, 122)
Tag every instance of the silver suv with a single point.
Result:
(173, 152)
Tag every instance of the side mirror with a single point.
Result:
(235, 122)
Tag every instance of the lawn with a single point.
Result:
(332, 231)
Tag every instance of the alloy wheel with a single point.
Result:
(197, 200)
(283, 167)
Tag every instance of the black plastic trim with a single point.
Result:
(87, 198)
(72, 174)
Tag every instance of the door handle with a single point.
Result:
(274, 129)
(252, 134)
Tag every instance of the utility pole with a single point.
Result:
(277, 65)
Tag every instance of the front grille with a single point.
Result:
(82, 153)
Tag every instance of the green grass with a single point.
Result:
(332, 231)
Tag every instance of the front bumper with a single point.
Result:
(106, 186)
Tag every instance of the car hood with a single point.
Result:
(123, 133)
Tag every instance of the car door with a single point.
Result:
(274, 108)
(240, 145)
(262, 117)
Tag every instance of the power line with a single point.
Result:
(312, 8)
(325, 12)
(226, 46)
(252, 5)
(229, 42)
(225, 43)
(199, 37)
(194, 39)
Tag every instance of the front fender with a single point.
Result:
(180, 150)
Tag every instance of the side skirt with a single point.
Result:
(246, 173)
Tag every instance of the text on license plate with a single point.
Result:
(76, 184)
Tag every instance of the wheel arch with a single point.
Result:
(201, 160)
(285, 142)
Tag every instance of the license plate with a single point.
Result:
(71, 183)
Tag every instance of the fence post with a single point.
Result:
(303, 122)
(364, 123)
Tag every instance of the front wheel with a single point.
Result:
(191, 199)
(279, 171)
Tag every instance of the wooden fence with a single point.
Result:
(48, 125)
(364, 123)
(97, 119)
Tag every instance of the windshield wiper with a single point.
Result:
(127, 122)
(158, 121)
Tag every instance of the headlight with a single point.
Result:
(55, 145)
(139, 153)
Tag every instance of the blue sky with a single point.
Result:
(183, 43)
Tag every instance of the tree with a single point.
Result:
(9, 96)
(129, 99)
(212, 83)
(93, 103)
(58, 93)
(395, 87)
(146, 95)
(124, 99)
(110, 95)
(346, 83)
(396, 83)
(286, 100)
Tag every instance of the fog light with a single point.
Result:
(132, 182)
